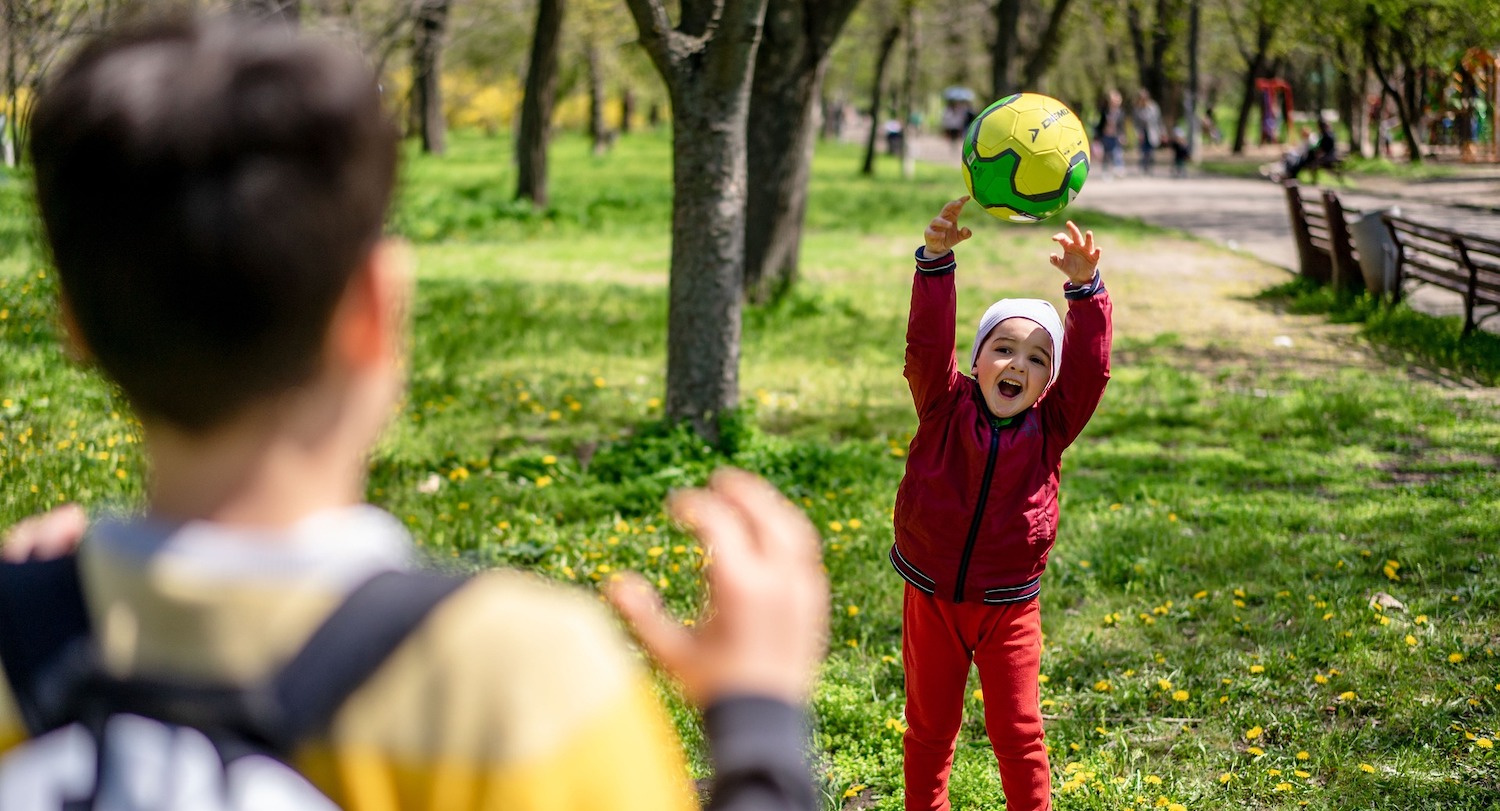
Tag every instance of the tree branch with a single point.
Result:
(667, 46)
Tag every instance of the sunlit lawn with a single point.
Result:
(1211, 638)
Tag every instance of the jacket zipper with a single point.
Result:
(984, 496)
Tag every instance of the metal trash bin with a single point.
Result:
(1377, 250)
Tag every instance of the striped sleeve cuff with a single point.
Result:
(941, 266)
(1072, 292)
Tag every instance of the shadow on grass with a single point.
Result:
(1432, 342)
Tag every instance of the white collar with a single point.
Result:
(339, 547)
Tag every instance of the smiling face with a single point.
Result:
(1014, 366)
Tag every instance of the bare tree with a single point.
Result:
(536, 105)
(789, 68)
(706, 62)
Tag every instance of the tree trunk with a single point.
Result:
(1007, 16)
(427, 74)
(1247, 102)
(536, 105)
(1414, 153)
(598, 132)
(789, 68)
(1047, 45)
(877, 87)
(909, 89)
(12, 84)
(627, 110)
(708, 74)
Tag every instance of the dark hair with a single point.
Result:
(208, 187)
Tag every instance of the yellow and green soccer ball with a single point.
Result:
(1025, 157)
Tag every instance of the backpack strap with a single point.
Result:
(42, 618)
(347, 649)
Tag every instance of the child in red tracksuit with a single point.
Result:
(976, 513)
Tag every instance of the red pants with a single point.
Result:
(939, 639)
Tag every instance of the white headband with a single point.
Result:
(1033, 309)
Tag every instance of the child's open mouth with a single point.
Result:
(1010, 390)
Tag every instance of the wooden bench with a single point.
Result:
(1325, 253)
(1463, 263)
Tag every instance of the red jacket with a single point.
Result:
(976, 513)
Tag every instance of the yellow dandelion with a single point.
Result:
(1226, 777)
(855, 523)
(1257, 668)
(1253, 732)
(1320, 678)
(1367, 768)
(836, 526)
(1420, 619)
(1485, 743)
(1163, 684)
(662, 582)
(549, 459)
(1103, 686)
(1116, 506)
(1044, 678)
(854, 790)
(1303, 755)
(853, 610)
(1176, 807)
(1083, 564)
(1455, 657)
(554, 415)
(1273, 772)
(543, 481)
(979, 695)
(853, 643)
(1347, 695)
(1411, 640)
(655, 551)
(1255, 751)
(1153, 780)
(1283, 786)
(1180, 695)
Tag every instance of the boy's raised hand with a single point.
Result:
(766, 624)
(943, 232)
(1079, 257)
(52, 534)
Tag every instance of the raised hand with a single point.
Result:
(52, 534)
(766, 624)
(943, 232)
(1079, 255)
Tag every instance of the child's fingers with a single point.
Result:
(964, 234)
(1057, 261)
(953, 208)
(1088, 243)
(663, 637)
(1076, 234)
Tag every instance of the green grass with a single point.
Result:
(1416, 337)
(1224, 525)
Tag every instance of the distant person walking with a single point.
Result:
(1110, 131)
(1148, 129)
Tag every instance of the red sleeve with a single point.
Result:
(931, 363)
(1087, 333)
